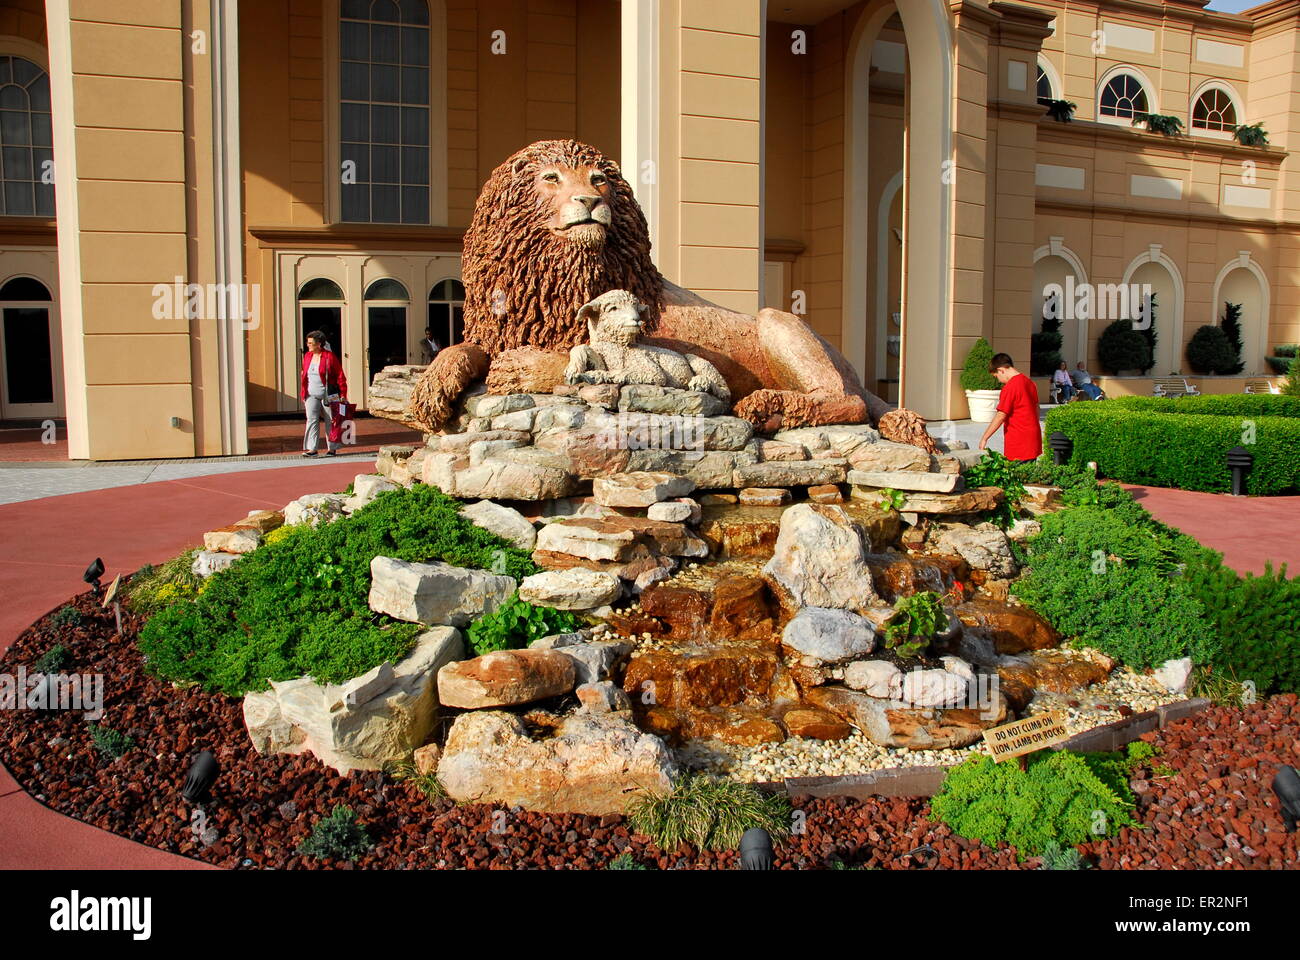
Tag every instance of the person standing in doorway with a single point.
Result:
(322, 382)
(428, 346)
(1017, 411)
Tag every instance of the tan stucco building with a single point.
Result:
(189, 185)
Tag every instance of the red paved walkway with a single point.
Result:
(45, 546)
(1247, 530)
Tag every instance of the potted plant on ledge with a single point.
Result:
(982, 388)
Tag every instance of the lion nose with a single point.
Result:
(587, 201)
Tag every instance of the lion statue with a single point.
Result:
(555, 226)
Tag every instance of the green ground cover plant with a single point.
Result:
(154, 587)
(1061, 797)
(1183, 442)
(516, 624)
(1107, 573)
(298, 605)
(917, 618)
(109, 742)
(337, 837)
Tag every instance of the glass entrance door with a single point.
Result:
(30, 388)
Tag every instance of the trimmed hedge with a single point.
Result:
(1182, 442)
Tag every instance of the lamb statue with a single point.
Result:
(614, 325)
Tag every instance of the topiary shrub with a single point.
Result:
(975, 373)
(1123, 348)
(1210, 351)
(1045, 347)
(1060, 797)
(1232, 329)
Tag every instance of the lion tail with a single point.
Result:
(433, 401)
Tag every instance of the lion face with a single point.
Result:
(577, 201)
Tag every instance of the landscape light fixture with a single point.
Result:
(93, 573)
(203, 774)
(1286, 784)
(756, 850)
(1240, 461)
(1062, 447)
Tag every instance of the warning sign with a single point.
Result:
(1027, 735)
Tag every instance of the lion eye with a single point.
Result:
(597, 178)
(551, 177)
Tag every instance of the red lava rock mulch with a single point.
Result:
(1218, 811)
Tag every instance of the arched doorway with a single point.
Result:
(1243, 282)
(1057, 267)
(387, 303)
(924, 372)
(446, 314)
(30, 358)
(320, 307)
(1153, 271)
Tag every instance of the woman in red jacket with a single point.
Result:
(322, 382)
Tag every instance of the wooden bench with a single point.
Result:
(1173, 387)
(1260, 386)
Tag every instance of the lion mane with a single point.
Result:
(523, 284)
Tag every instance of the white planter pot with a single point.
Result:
(983, 404)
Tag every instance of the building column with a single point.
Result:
(148, 372)
(693, 140)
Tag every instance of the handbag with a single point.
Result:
(341, 413)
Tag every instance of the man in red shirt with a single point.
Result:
(1017, 410)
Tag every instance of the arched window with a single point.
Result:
(384, 110)
(1044, 87)
(1214, 110)
(320, 307)
(447, 312)
(1123, 97)
(26, 140)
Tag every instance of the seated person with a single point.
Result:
(1083, 380)
(1061, 380)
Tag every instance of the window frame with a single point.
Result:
(1053, 79)
(20, 49)
(1148, 90)
(1238, 106)
(438, 216)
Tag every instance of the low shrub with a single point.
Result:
(1057, 857)
(1060, 797)
(1257, 618)
(516, 624)
(625, 861)
(428, 784)
(709, 814)
(299, 605)
(1160, 442)
(67, 616)
(153, 588)
(337, 837)
(109, 742)
(1291, 385)
(53, 660)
